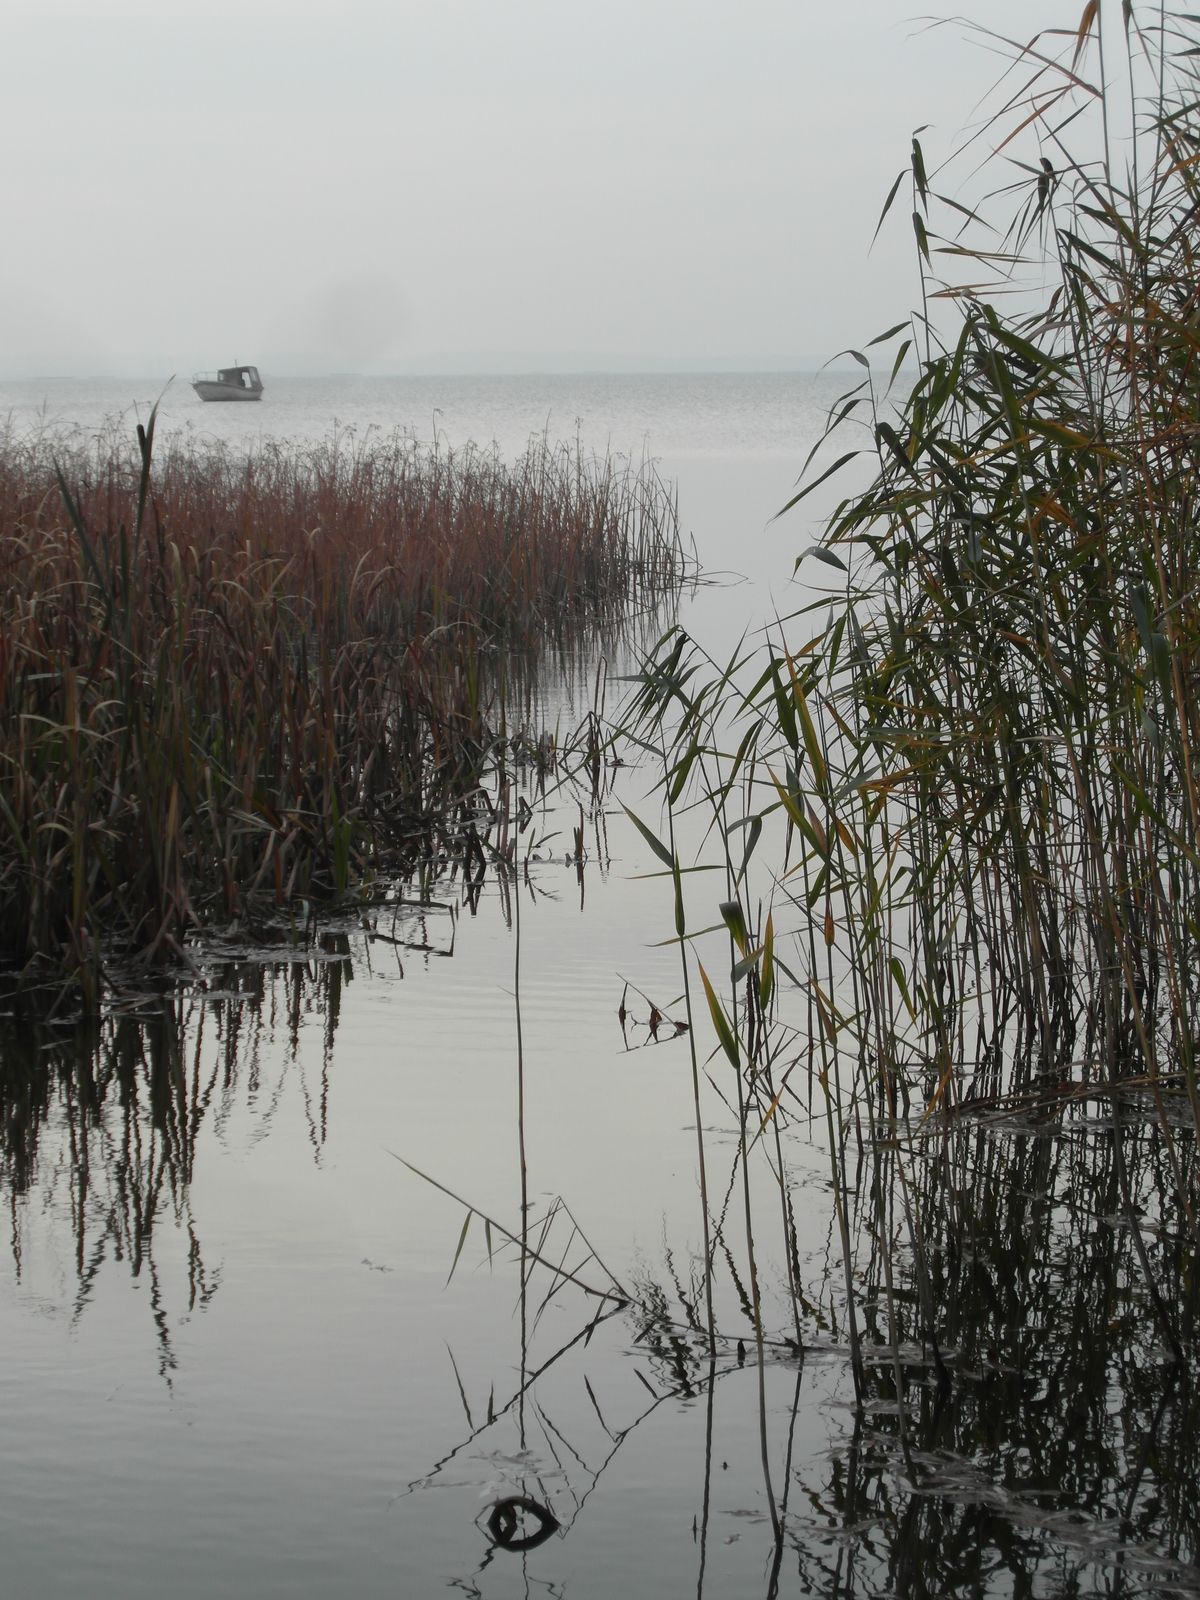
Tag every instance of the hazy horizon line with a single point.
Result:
(184, 375)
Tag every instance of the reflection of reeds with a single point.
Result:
(1050, 1433)
(1060, 1435)
(228, 681)
(101, 1122)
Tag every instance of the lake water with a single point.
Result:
(249, 1351)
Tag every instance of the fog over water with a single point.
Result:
(412, 187)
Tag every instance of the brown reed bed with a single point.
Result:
(231, 682)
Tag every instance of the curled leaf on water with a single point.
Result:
(520, 1523)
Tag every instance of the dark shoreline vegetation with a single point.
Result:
(233, 685)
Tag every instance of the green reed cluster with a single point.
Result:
(976, 757)
(236, 681)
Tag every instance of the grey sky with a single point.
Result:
(463, 184)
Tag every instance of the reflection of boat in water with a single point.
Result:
(230, 383)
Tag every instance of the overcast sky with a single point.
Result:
(431, 185)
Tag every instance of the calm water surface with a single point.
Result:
(234, 1361)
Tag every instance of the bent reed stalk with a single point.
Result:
(231, 682)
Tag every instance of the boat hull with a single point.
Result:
(225, 391)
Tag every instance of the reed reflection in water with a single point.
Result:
(1050, 1445)
(104, 1120)
(1047, 1447)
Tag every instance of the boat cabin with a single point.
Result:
(240, 377)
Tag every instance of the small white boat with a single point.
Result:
(230, 383)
